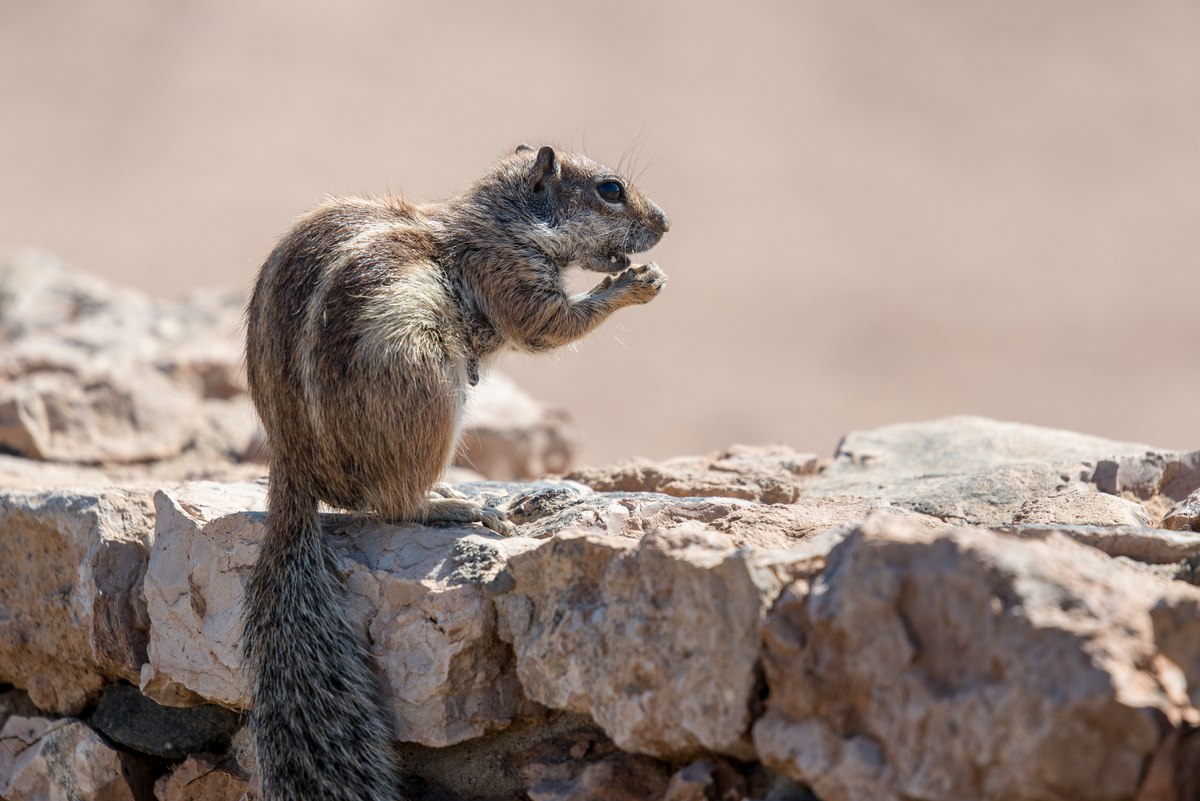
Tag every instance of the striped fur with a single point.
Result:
(368, 324)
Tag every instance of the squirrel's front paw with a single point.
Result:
(637, 284)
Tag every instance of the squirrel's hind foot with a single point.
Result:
(463, 510)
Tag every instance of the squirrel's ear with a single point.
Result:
(523, 148)
(546, 167)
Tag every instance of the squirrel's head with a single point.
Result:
(584, 213)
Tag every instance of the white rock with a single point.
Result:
(656, 639)
(71, 609)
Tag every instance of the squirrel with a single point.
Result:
(368, 323)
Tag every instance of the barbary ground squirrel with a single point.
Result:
(368, 322)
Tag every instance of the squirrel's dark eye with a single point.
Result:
(612, 191)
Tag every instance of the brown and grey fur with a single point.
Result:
(368, 323)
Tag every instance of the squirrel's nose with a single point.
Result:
(664, 222)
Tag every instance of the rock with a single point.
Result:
(97, 374)
(1152, 546)
(413, 592)
(963, 469)
(548, 508)
(768, 474)
(204, 778)
(71, 610)
(656, 639)
(104, 415)
(1156, 479)
(204, 547)
(42, 758)
(15, 702)
(131, 719)
(1185, 515)
(620, 777)
(704, 780)
(1081, 507)
(493, 768)
(509, 436)
(967, 664)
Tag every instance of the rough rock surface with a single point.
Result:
(1082, 507)
(1157, 479)
(963, 469)
(71, 608)
(767, 474)
(1045, 654)
(1185, 515)
(656, 639)
(413, 592)
(204, 778)
(43, 759)
(966, 664)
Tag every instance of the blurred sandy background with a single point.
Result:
(882, 210)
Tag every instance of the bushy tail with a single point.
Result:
(318, 725)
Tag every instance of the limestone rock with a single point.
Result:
(1185, 515)
(1152, 546)
(204, 778)
(42, 759)
(71, 608)
(1082, 508)
(202, 555)
(963, 469)
(493, 768)
(100, 416)
(967, 664)
(549, 507)
(413, 593)
(616, 777)
(97, 374)
(767, 474)
(1150, 474)
(509, 436)
(656, 639)
(706, 779)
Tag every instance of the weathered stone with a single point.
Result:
(415, 594)
(767, 474)
(205, 778)
(656, 639)
(491, 768)
(547, 509)
(1185, 515)
(1082, 507)
(968, 664)
(1156, 479)
(620, 777)
(963, 469)
(71, 608)
(429, 625)
(509, 436)
(43, 759)
(131, 719)
(704, 780)
(1154, 546)
(15, 702)
(202, 555)
(100, 416)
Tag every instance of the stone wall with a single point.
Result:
(957, 609)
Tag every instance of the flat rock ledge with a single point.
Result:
(944, 610)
